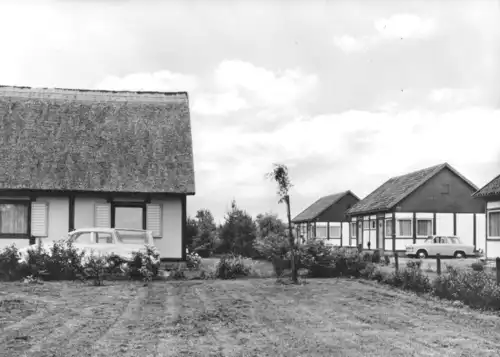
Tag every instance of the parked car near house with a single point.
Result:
(446, 246)
(106, 241)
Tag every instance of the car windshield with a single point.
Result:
(132, 237)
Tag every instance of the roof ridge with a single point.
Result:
(339, 195)
(424, 169)
(87, 90)
(476, 194)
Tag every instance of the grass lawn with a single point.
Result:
(250, 317)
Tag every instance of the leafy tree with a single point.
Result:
(282, 179)
(204, 240)
(268, 223)
(191, 231)
(238, 232)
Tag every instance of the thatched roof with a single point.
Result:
(86, 140)
(320, 206)
(398, 188)
(492, 188)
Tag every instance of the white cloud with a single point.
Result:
(456, 96)
(162, 81)
(405, 26)
(349, 44)
(399, 142)
(218, 104)
(264, 87)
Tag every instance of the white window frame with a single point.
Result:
(385, 227)
(331, 227)
(321, 225)
(488, 223)
(432, 227)
(411, 227)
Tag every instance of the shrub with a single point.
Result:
(231, 266)
(145, 264)
(409, 279)
(477, 266)
(193, 260)
(387, 260)
(414, 264)
(272, 245)
(10, 267)
(95, 267)
(474, 288)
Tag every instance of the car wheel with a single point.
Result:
(460, 255)
(422, 254)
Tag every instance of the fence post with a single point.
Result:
(396, 260)
(438, 264)
(498, 270)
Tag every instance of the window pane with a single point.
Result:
(404, 227)
(320, 232)
(83, 238)
(132, 237)
(424, 227)
(334, 232)
(13, 218)
(104, 238)
(494, 224)
(388, 227)
(128, 217)
(353, 229)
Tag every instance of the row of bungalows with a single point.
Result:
(407, 209)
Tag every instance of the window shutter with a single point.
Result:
(39, 218)
(153, 219)
(102, 217)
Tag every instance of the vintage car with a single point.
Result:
(446, 246)
(105, 241)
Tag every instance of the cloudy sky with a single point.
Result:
(346, 93)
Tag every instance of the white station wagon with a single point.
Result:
(446, 246)
(104, 241)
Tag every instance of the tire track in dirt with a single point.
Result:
(116, 334)
(168, 342)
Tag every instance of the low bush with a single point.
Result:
(193, 260)
(473, 288)
(414, 264)
(477, 266)
(62, 261)
(232, 266)
(410, 278)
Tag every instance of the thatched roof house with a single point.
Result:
(100, 151)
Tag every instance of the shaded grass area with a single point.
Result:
(334, 317)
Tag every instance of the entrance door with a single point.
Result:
(380, 234)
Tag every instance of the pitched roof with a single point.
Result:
(398, 188)
(88, 140)
(492, 188)
(320, 206)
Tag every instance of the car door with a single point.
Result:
(84, 241)
(432, 246)
(446, 247)
(105, 242)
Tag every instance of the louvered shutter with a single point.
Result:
(39, 218)
(153, 219)
(102, 216)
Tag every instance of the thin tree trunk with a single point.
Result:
(291, 239)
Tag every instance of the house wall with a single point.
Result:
(492, 244)
(345, 234)
(85, 211)
(459, 224)
(169, 244)
(58, 217)
(336, 212)
(430, 197)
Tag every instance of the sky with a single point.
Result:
(345, 93)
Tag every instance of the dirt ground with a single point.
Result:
(253, 317)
